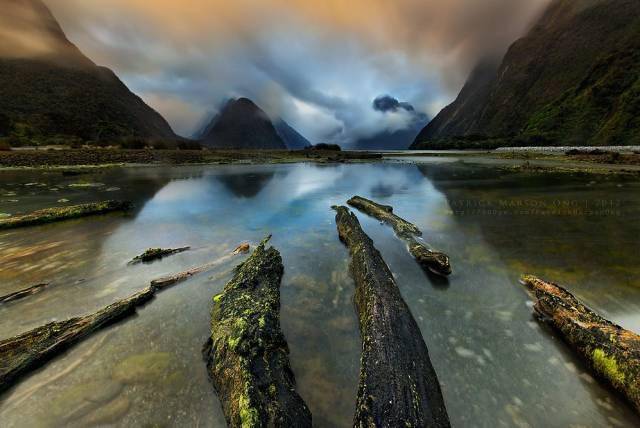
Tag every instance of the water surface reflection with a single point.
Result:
(497, 366)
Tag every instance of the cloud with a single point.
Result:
(317, 63)
(386, 103)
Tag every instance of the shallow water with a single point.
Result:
(497, 366)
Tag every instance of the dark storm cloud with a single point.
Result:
(386, 103)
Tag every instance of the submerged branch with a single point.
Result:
(247, 354)
(35, 289)
(434, 261)
(612, 352)
(398, 384)
(21, 354)
(50, 215)
(153, 254)
(25, 352)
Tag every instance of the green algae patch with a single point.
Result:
(608, 366)
(247, 355)
(144, 368)
(50, 215)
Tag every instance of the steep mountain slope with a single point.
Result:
(573, 79)
(242, 125)
(292, 138)
(49, 89)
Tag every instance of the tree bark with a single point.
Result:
(50, 215)
(434, 261)
(398, 385)
(247, 354)
(611, 352)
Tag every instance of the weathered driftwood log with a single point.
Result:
(612, 352)
(434, 261)
(153, 254)
(23, 293)
(398, 385)
(50, 215)
(247, 354)
(29, 350)
(26, 352)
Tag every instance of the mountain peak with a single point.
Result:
(242, 125)
(52, 91)
(28, 29)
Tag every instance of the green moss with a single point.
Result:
(217, 297)
(607, 366)
(249, 416)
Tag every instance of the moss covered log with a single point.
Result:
(611, 352)
(247, 354)
(398, 385)
(21, 294)
(153, 254)
(50, 215)
(434, 261)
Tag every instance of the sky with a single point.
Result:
(317, 64)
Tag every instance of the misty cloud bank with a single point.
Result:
(319, 65)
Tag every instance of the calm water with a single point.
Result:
(497, 366)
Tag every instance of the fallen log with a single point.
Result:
(24, 353)
(50, 215)
(21, 294)
(398, 385)
(29, 350)
(247, 354)
(434, 261)
(153, 254)
(609, 350)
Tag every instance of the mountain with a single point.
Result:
(50, 90)
(390, 140)
(241, 125)
(292, 138)
(574, 79)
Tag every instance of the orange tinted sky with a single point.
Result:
(320, 63)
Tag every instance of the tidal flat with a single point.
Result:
(497, 365)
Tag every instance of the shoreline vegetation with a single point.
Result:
(116, 157)
(608, 160)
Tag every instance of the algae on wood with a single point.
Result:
(434, 261)
(398, 385)
(21, 294)
(50, 215)
(247, 354)
(153, 254)
(612, 352)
